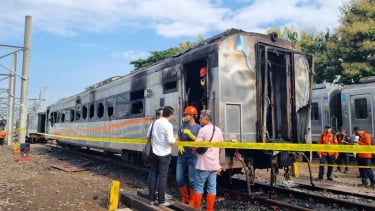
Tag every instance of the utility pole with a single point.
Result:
(11, 94)
(24, 82)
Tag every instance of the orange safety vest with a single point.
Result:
(3, 133)
(327, 138)
(364, 139)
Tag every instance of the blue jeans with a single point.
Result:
(201, 178)
(366, 173)
(149, 179)
(326, 159)
(159, 168)
(183, 163)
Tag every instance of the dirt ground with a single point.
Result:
(35, 185)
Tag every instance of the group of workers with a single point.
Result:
(200, 167)
(204, 166)
(363, 159)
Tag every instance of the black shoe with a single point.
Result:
(318, 179)
(345, 172)
(330, 179)
(372, 186)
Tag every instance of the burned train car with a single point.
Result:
(258, 86)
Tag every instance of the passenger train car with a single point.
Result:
(344, 107)
(258, 86)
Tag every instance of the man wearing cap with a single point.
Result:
(327, 157)
(364, 159)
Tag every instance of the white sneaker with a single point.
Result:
(168, 196)
(166, 204)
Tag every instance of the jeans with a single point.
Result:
(149, 179)
(186, 162)
(159, 168)
(323, 160)
(203, 176)
(343, 157)
(366, 173)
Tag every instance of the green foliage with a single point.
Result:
(157, 56)
(357, 40)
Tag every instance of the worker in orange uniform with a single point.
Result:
(327, 157)
(364, 159)
(3, 133)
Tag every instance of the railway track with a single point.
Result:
(280, 197)
(300, 197)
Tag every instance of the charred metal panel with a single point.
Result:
(237, 84)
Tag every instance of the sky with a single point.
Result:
(77, 43)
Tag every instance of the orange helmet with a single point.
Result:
(203, 72)
(190, 110)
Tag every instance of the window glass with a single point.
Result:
(122, 105)
(314, 111)
(360, 107)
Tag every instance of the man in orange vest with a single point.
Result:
(364, 159)
(327, 157)
(3, 133)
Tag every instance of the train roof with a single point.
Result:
(190, 54)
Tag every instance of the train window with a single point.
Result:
(110, 108)
(91, 111)
(71, 115)
(100, 110)
(78, 112)
(84, 112)
(314, 111)
(122, 105)
(137, 107)
(58, 118)
(63, 117)
(169, 78)
(360, 106)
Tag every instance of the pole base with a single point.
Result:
(24, 159)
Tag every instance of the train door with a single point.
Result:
(361, 112)
(195, 85)
(275, 98)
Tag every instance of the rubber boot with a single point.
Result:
(184, 195)
(210, 202)
(197, 200)
(192, 197)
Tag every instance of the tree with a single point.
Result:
(157, 56)
(357, 40)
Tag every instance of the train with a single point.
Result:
(344, 107)
(258, 86)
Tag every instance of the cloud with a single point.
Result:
(168, 18)
(131, 55)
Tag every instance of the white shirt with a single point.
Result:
(162, 137)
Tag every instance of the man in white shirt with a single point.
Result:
(162, 138)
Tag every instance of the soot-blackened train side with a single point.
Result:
(258, 86)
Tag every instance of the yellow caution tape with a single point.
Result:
(333, 165)
(238, 145)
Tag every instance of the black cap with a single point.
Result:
(327, 126)
(356, 128)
